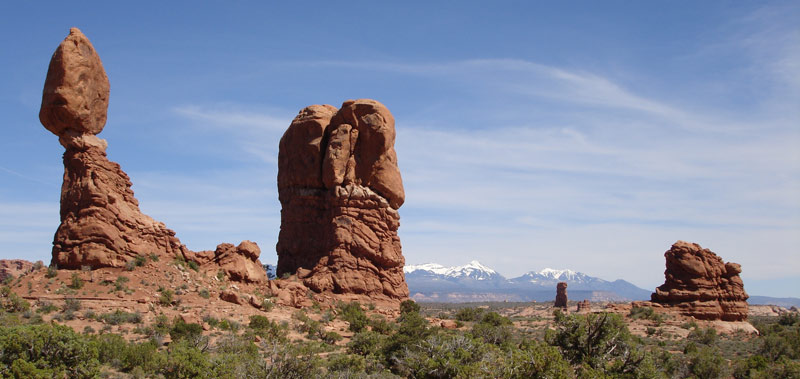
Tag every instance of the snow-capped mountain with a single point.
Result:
(472, 270)
(549, 276)
(477, 282)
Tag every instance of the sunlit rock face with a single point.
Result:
(340, 187)
(101, 225)
(699, 284)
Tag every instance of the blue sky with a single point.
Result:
(581, 135)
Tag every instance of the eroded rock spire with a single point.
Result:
(340, 188)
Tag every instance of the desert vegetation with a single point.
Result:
(483, 343)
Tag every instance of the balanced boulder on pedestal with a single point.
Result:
(101, 224)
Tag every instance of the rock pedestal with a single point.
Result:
(340, 188)
(101, 224)
(561, 295)
(699, 284)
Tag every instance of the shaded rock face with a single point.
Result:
(561, 295)
(340, 188)
(699, 284)
(101, 225)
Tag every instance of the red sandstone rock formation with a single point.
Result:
(561, 295)
(340, 188)
(699, 284)
(239, 263)
(584, 306)
(101, 225)
(14, 268)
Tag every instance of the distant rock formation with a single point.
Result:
(584, 306)
(14, 268)
(699, 284)
(561, 295)
(340, 187)
(101, 224)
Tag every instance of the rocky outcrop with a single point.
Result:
(340, 187)
(101, 224)
(699, 284)
(584, 306)
(239, 263)
(561, 295)
(14, 268)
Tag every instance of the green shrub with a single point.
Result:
(312, 328)
(46, 307)
(380, 325)
(75, 281)
(354, 315)
(267, 328)
(52, 271)
(46, 350)
(346, 363)
(331, 337)
(536, 360)
(409, 306)
(11, 302)
(646, 313)
(121, 283)
(494, 329)
(469, 314)
(121, 317)
(71, 305)
(365, 343)
(446, 356)
(204, 293)
(166, 297)
(189, 332)
(186, 361)
(599, 341)
(707, 363)
(703, 336)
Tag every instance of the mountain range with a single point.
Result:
(477, 282)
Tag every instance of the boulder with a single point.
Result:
(340, 187)
(699, 284)
(240, 263)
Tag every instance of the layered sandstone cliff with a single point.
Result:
(699, 284)
(340, 187)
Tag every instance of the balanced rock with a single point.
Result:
(340, 187)
(101, 224)
(699, 284)
(561, 295)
